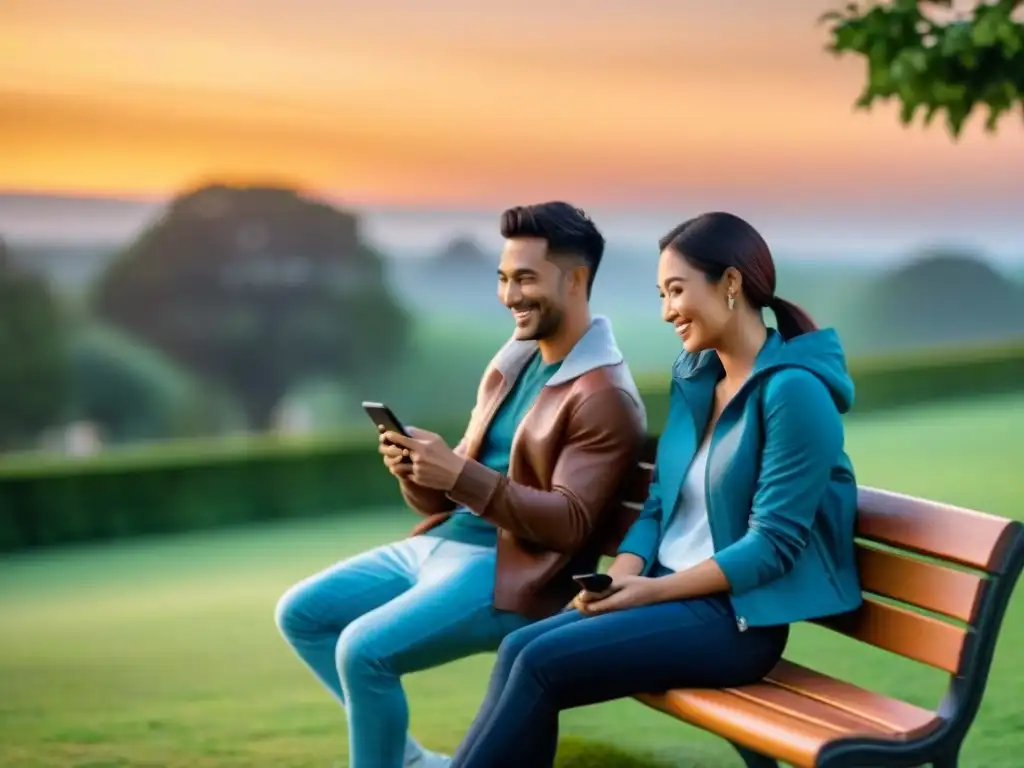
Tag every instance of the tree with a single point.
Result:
(33, 362)
(133, 392)
(462, 253)
(939, 298)
(935, 61)
(257, 288)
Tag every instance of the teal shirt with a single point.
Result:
(781, 495)
(463, 525)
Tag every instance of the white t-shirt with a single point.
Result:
(687, 540)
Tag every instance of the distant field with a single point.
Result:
(164, 653)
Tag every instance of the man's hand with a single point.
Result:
(434, 464)
(396, 459)
(625, 592)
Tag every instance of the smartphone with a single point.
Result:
(593, 582)
(382, 416)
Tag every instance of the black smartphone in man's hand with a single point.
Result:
(382, 416)
(385, 420)
(594, 582)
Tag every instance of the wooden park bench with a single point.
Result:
(958, 565)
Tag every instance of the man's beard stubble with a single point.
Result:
(549, 320)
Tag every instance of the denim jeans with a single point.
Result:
(571, 660)
(363, 623)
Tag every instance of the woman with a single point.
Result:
(749, 522)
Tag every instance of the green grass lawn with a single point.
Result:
(164, 653)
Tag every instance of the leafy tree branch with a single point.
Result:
(934, 61)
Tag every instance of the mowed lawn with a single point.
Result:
(164, 652)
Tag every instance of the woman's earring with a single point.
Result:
(732, 302)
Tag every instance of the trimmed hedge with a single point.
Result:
(186, 485)
(195, 484)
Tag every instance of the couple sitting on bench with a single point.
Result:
(747, 528)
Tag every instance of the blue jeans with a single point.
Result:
(363, 623)
(571, 660)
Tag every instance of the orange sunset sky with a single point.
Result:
(461, 102)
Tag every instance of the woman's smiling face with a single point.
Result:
(697, 307)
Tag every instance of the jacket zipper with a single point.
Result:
(741, 621)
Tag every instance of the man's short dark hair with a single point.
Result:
(569, 232)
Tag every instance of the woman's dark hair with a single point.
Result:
(713, 242)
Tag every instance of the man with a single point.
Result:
(510, 512)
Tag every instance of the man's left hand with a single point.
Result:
(434, 464)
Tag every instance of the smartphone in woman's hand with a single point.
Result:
(594, 582)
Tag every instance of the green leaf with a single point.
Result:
(916, 59)
(985, 31)
(994, 113)
(1012, 38)
(850, 37)
(907, 110)
(956, 114)
(865, 100)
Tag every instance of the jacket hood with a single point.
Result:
(819, 352)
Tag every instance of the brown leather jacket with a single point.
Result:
(571, 457)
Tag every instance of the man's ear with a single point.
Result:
(579, 275)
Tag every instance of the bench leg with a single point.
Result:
(756, 759)
(948, 760)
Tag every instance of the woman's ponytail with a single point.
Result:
(791, 319)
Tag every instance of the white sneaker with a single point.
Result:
(418, 756)
(428, 759)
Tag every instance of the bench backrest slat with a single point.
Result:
(902, 631)
(942, 531)
(931, 586)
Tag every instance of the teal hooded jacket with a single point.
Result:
(781, 494)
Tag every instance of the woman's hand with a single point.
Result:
(625, 592)
(584, 598)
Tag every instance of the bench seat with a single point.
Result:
(794, 712)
